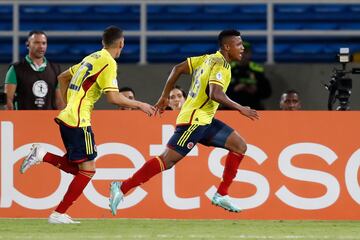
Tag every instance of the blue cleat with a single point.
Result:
(116, 196)
(225, 203)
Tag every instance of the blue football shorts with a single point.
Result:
(186, 137)
(79, 143)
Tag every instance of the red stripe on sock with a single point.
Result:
(147, 171)
(232, 163)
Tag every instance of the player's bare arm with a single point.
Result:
(216, 93)
(10, 93)
(116, 98)
(64, 80)
(176, 72)
(59, 101)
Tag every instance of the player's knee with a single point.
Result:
(237, 144)
(170, 158)
(241, 147)
(170, 164)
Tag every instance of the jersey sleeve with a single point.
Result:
(218, 74)
(194, 62)
(11, 76)
(74, 68)
(107, 79)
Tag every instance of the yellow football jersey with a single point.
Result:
(198, 107)
(94, 75)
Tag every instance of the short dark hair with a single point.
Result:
(32, 32)
(111, 35)
(126, 89)
(291, 91)
(227, 33)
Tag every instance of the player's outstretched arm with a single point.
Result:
(216, 93)
(176, 72)
(120, 100)
(64, 80)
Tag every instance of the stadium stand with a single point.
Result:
(5, 18)
(182, 18)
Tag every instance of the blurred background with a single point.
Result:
(296, 41)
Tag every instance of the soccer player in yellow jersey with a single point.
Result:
(81, 86)
(211, 76)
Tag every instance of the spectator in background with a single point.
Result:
(31, 84)
(128, 93)
(249, 85)
(177, 98)
(290, 100)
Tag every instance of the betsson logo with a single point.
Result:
(10, 195)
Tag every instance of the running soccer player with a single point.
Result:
(81, 86)
(211, 76)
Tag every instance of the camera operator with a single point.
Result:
(340, 85)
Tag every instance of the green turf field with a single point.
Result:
(179, 229)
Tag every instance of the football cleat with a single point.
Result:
(61, 218)
(116, 196)
(35, 157)
(225, 203)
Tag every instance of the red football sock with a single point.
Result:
(75, 189)
(147, 171)
(61, 162)
(231, 165)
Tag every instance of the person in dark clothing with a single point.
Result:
(249, 85)
(31, 84)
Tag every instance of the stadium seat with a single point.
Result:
(131, 49)
(154, 49)
(281, 48)
(183, 9)
(198, 48)
(257, 9)
(287, 26)
(155, 9)
(189, 17)
(85, 48)
(320, 26)
(220, 9)
(259, 48)
(40, 9)
(112, 9)
(5, 18)
(5, 48)
(306, 48)
(327, 8)
(349, 26)
(73, 9)
(292, 9)
(56, 49)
